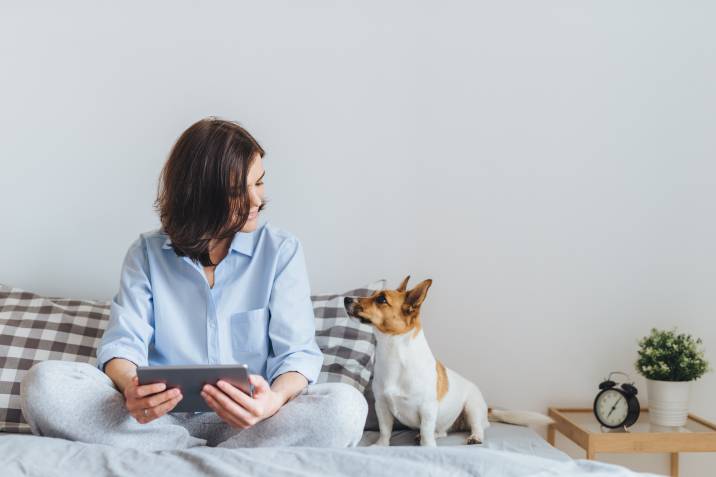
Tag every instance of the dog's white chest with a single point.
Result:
(405, 378)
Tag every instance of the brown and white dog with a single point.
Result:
(410, 384)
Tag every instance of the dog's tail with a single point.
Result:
(521, 418)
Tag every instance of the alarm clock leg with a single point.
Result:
(550, 434)
(674, 464)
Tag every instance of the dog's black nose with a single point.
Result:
(347, 301)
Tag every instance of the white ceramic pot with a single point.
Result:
(668, 402)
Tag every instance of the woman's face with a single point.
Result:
(255, 186)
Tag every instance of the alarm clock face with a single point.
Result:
(612, 408)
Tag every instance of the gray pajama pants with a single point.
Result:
(79, 402)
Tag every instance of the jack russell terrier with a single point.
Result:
(411, 385)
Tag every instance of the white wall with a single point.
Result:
(550, 165)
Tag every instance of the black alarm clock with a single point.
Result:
(616, 404)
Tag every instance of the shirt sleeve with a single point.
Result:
(292, 329)
(131, 322)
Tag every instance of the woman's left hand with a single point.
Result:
(237, 408)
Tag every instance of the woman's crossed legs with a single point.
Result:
(77, 401)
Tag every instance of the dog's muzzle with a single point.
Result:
(349, 304)
(352, 307)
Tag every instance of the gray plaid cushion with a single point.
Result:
(348, 345)
(35, 328)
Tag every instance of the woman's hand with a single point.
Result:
(237, 408)
(143, 402)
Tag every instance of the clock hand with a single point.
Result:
(614, 406)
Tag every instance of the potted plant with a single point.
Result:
(669, 362)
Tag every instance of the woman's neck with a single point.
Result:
(218, 249)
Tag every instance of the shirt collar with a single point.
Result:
(243, 242)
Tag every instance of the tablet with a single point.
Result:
(190, 379)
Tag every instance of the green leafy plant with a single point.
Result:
(665, 355)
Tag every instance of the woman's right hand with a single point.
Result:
(150, 401)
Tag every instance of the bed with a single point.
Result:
(508, 451)
(34, 328)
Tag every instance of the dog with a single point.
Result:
(410, 385)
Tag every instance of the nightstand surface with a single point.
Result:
(580, 426)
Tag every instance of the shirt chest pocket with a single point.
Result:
(249, 330)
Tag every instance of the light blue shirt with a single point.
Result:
(259, 311)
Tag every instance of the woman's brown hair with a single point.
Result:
(202, 193)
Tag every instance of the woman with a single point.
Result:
(211, 286)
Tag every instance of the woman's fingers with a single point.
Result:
(153, 400)
(134, 390)
(240, 397)
(225, 402)
(160, 410)
(231, 407)
(221, 412)
(147, 414)
(158, 399)
(148, 389)
(260, 384)
(148, 402)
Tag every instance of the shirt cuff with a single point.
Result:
(306, 364)
(112, 352)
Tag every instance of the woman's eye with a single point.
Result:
(260, 183)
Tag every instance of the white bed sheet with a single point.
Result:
(509, 451)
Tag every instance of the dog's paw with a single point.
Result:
(473, 439)
(381, 443)
(428, 442)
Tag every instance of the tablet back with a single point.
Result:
(191, 379)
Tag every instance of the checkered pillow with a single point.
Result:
(35, 328)
(348, 345)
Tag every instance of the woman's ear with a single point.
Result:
(416, 296)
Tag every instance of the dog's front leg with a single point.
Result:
(385, 421)
(428, 419)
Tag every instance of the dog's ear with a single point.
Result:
(416, 296)
(404, 284)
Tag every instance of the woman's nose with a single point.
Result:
(256, 199)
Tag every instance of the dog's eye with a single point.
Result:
(381, 299)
